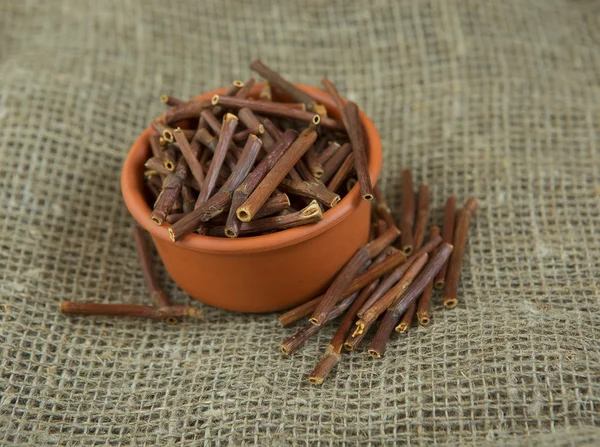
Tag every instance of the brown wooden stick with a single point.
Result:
(407, 318)
(187, 110)
(155, 146)
(312, 162)
(425, 300)
(351, 119)
(277, 109)
(343, 172)
(271, 128)
(171, 189)
(250, 120)
(204, 137)
(173, 218)
(265, 92)
(334, 349)
(380, 306)
(169, 158)
(246, 89)
(145, 257)
(261, 193)
(310, 214)
(295, 342)
(300, 173)
(393, 277)
(163, 130)
(230, 122)
(407, 215)
(332, 90)
(188, 199)
(190, 153)
(231, 90)
(154, 190)
(422, 216)
(349, 272)
(461, 233)
(328, 152)
(382, 209)
(170, 100)
(218, 203)
(253, 179)
(242, 135)
(362, 280)
(311, 190)
(447, 236)
(155, 165)
(333, 164)
(277, 80)
(170, 314)
(402, 303)
(381, 226)
(274, 205)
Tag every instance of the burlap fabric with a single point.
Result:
(498, 99)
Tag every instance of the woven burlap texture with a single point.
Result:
(497, 99)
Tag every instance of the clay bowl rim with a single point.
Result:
(139, 209)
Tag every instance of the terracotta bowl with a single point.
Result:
(261, 273)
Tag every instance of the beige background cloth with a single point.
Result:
(497, 99)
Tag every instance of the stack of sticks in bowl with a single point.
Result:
(295, 162)
(389, 280)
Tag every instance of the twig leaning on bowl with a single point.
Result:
(216, 165)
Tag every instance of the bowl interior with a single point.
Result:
(133, 193)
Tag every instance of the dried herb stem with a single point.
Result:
(382, 209)
(384, 331)
(145, 257)
(393, 277)
(170, 100)
(171, 314)
(295, 342)
(277, 109)
(250, 120)
(461, 233)
(333, 164)
(447, 236)
(343, 172)
(422, 216)
(332, 90)
(361, 280)
(246, 89)
(407, 318)
(230, 122)
(187, 110)
(171, 188)
(190, 153)
(334, 349)
(380, 306)
(425, 300)
(351, 119)
(219, 202)
(271, 180)
(275, 79)
(265, 92)
(328, 152)
(242, 135)
(349, 272)
(247, 187)
(310, 214)
(407, 214)
(312, 190)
